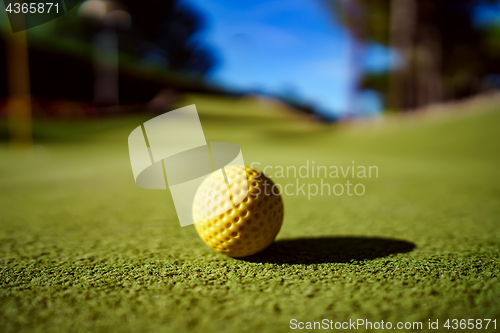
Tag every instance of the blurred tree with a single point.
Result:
(172, 28)
(445, 55)
(402, 30)
(161, 32)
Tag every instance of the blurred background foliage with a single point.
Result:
(164, 34)
(446, 52)
(433, 52)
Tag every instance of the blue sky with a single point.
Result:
(284, 45)
(487, 14)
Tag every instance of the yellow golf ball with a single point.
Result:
(238, 217)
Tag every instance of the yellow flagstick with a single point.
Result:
(19, 100)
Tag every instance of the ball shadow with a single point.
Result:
(330, 250)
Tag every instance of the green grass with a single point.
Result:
(82, 248)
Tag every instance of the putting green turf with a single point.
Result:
(82, 248)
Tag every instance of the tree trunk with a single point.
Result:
(428, 64)
(403, 22)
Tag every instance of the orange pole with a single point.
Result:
(18, 82)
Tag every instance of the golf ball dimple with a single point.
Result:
(239, 217)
